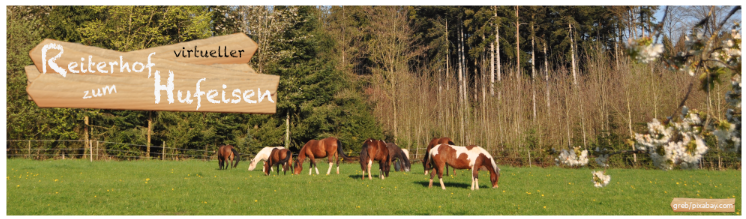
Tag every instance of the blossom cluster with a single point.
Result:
(575, 157)
(674, 144)
(599, 179)
(644, 50)
(729, 133)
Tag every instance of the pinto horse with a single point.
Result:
(276, 158)
(433, 143)
(227, 153)
(329, 147)
(402, 159)
(469, 157)
(375, 150)
(262, 155)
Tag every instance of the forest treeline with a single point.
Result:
(517, 80)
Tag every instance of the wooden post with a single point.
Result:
(147, 154)
(86, 136)
(29, 149)
(206, 157)
(97, 149)
(90, 146)
(163, 150)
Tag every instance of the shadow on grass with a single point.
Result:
(447, 184)
(358, 176)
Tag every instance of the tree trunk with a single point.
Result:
(497, 46)
(492, 69)
(492, 57)
(533, 70)
(287, 130)
(572, 54)
(448, 58)
(517, 45)
(460, 82)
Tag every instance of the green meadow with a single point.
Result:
(79, 187)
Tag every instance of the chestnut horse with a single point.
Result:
(276, 158)
(433, 143)
(375, 150)
(262, 155)
(402, 160)
(329, 147)
(469, 157)
(227, 153)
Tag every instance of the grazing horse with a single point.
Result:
(433, 143)
(329, 147)
(397, 165)
(401, 158)
(375, 150)
(276, 158)
(227, 153)
(469, 157)
(262, 155)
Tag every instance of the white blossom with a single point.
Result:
(599, 179)
(574, 157)
(678, 144)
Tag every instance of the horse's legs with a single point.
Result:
(331, 164)
(370, 163)
(363, 167)
(432, 174)
(380, 170)
(472, 177)
(439, 169)
(336, 157)
(316, 167)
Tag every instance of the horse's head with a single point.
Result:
(252, 165)
(298, 167)
(495, 177)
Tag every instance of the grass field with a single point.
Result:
(79, 187)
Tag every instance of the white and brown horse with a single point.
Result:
(433, 143)
(276, 158)
(262, 155)
(375, 150)
(329, 147)
(469, 157)
(226, 155)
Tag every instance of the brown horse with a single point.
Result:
(402, 160)
(276, 158)
(375, 150)
(227, 153)
(469, 157)
(329, 147)
(433, 143)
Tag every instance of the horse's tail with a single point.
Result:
(236, 155)
(364, 158)
(340, 150)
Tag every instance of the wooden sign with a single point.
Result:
(76, 76)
